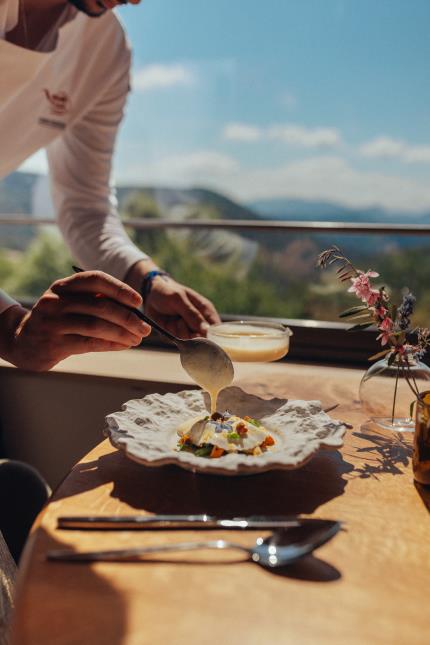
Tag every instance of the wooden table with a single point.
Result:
(369, 585)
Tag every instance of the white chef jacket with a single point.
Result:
(70, 100)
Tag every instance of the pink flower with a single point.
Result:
(386, 324)
(372, 297)
(381, 311)
(386, 327)
(362, 288)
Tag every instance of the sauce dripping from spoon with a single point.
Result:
(208, 365)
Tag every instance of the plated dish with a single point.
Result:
(224, 433)
(149, 431)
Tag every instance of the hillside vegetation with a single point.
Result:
(244, 273)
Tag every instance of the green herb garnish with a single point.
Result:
(233, 436)
(254, 422)
(204, 451)
(186, 447)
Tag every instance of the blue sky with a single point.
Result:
(309, 99)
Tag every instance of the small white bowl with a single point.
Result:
(252, 341)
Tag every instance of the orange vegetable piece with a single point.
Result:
(269, 441)
(216, 452)
(241, 429)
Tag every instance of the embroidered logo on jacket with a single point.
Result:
(58, 101)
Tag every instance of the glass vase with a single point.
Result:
(386, 391)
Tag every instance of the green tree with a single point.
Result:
(7, 267)
(46, 260)
(141, 205)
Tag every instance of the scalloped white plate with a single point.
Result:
(146, 430)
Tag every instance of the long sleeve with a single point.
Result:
(80, 167)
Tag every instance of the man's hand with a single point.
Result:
(179, 309)
(82, 313)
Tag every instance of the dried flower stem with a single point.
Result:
(395, 395)
(392, 321)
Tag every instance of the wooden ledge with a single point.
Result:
(163, 366)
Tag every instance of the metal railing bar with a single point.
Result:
(369, 228)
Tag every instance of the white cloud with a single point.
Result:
(300, 136)
(385, 147)
(157, 76)
(294, 135)
(417, 154)
(202, 166)
(382, 147)
(242, 132)
(323, 178)
(330, 178)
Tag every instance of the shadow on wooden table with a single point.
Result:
(170, 489)
(59, 584)
(379, 452)
(309, 569)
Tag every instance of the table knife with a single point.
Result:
(136, 522)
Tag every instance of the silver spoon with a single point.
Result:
(198, 355)
(280, 548)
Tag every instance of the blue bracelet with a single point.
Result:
(148, 279)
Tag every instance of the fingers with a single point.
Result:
(186, 310)
(177, 327)
(205, 307)
(108, 310)
(169, 323)
(182, 330)
(73, 344)
(97, 282)
(97, 328)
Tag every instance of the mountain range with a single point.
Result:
(25, 193)
(303, 210)
(17, 196)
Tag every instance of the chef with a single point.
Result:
(64, 80)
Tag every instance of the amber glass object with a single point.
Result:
(421, 454)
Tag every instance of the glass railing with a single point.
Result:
(247, 268)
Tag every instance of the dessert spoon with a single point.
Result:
(198, 355)
(278, 549)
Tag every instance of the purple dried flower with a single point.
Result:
(405, 311)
